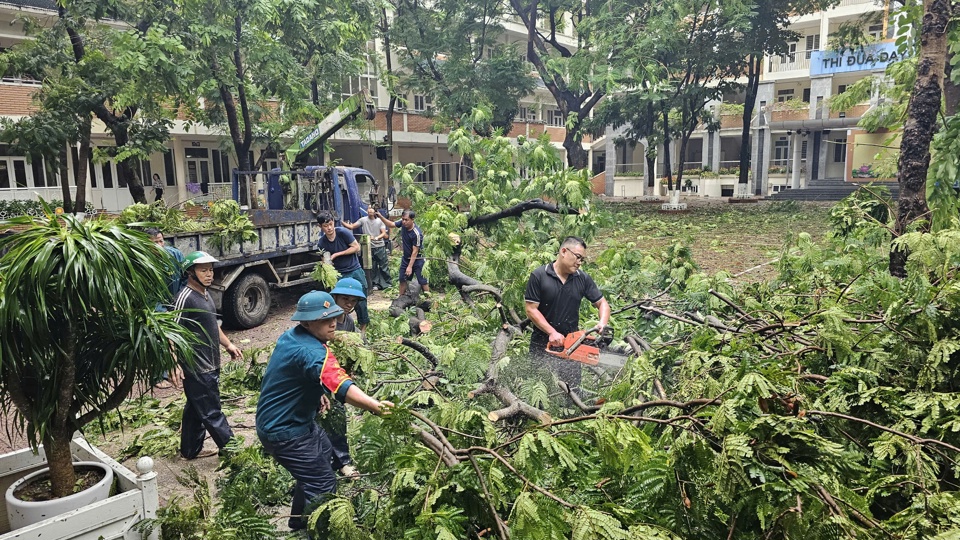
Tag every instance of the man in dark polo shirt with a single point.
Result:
(552, 302)
(411, 264)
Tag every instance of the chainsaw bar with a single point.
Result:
(584, 348)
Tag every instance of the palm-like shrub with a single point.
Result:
(78, 327)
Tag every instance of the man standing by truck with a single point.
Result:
(371, 226)
(343, 247)
(300, 371)
(411, 264)
(201, 380)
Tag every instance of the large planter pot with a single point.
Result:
(134, 499)
(23, 513)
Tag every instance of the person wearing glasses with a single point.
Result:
(552, 302)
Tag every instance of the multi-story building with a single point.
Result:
(795, 136)
(198, 155)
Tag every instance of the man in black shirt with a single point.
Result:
(201, 381)
(552, 302)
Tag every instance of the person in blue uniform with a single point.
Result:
(300, 372)
(411, 238)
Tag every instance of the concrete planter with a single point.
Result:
(135, 498)
(25, 513)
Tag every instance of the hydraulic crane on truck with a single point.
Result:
(322, 185)
(332, 123)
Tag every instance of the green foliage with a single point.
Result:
(231, 225)
(92, 287)
(326, 275)
(13, 208)
(251, 484)
(866, 211)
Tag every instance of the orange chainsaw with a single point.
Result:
(585, 347)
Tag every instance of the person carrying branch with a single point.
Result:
(300, 372)
(411, 264)
(343, 248)
(552, 302)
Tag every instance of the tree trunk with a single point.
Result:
(577, 157)
(392, 105)
(749, 102)
(83, 158)
(666, 145)
(56, 446)
(921, 124)
(62, 174)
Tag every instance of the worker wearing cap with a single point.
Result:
(300, 371)
(201, 379)
(347, 293)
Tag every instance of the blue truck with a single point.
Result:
(285, 251)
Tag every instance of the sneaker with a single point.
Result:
(349, 471)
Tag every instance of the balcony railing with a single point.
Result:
(878, 3)
(789, 62)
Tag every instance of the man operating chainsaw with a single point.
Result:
(552, 302)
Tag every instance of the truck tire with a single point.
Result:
(247, 301)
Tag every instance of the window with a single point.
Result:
(803, 150)
(813, 44)
(875, 31)
(198, 165)
(422, 103)
(445, 173)
(840, 150)
(555, 118)
(841, 88)
(221, 168)
(791, 54)
(425, 177)
(781, 152)
(527, 114)
(366, 81)
(784, 95)
(806, 95)
(168, 168)
(146, 173)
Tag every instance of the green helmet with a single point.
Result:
(349, 287)
(197, 257)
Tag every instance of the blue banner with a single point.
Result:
(867, 58)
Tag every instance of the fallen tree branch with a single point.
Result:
(420, 348)
(517, 210)
(912, 438)
(502, 530)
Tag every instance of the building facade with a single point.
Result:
(199, 156)
(795, 136)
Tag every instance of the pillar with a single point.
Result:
(795, 142)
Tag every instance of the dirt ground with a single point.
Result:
(745, 251)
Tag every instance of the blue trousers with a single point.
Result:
(363, 316)
(417, 271)
(308, 459)
(202, 413)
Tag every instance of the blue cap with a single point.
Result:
(315, 306)
(349, 287)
